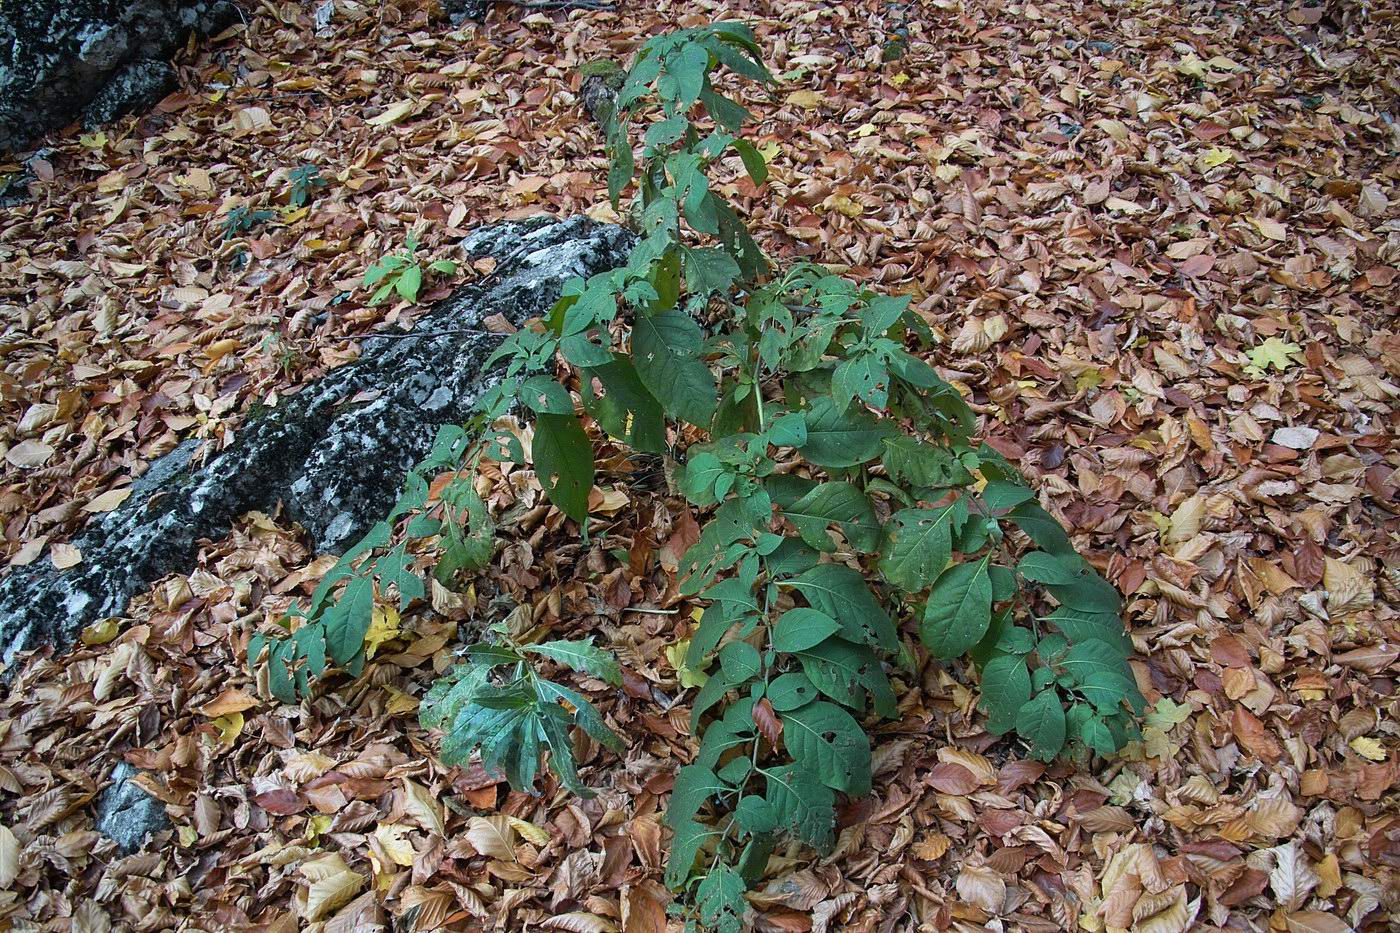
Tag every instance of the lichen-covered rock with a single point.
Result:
(59, 56)
(335, 453)
(127, 814)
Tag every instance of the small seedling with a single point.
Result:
(241, 220)
(402, 273)
(305, 181)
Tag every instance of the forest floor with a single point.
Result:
(1159, 243)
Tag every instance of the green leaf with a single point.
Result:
(842, 594)
(753, 160)
(545, 396)
(408, 283)
(740, 662)
(1086, 657)
(837, 439)
(719, 899)
(581, 656)
(349, 619)
(1042, 723)
(919, 544)
(802, 628)
(863, 376)
(1095, 734)
(1042, 528)
(708, 269)
(664, 351)
(826, 739)
(1051, 569)
(686, 841)
(689, 68)
(841, 669)
(959, 609)
(586, 715)
(623, 406)
(694, 785)
(803, 804)
(1006, 687)
(835, 503)
(789, 691)
(564, 463)
(756, 814)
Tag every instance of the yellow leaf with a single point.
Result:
(399, 849)
(109, 500)
(900, 79)
(399, 702)
(1187, 519)
(1216, 156)
(230, 727)
(675, 654)
(1270, 228)
(333, 885)
(1273, 352)
(393, 115)
(530, 831)
(1367, 747)
(99, 633)
(383, 626)
(864, 130)
(420, 805)
(188, 834)
(807, 100)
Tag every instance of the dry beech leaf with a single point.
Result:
(9, 858)
(979, 885)
(332, 885)
(492, 836)
(420, 805)
(580, 922)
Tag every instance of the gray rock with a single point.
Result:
(57, 56)
(126, 813)
(335, 453)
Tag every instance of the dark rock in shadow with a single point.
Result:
(58, 57)
(335, 453)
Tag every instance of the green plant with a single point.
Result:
(402, 272)
(511, 717)
(846, 498)
(303, 183)
(241, 219)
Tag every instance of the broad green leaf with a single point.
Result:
(1041, 527)
(694, 785)
(623, 406)
(1042, 723)
(756, 814)
(803, 805)
(564, 463)
(919, 544)
(841, 670)
(349, 619)
(826, 739)
(1086, 657)
(835, 503)
(801, 628)
(789, 691)
(546, 396)
(1051, 569)
(719, 900)
(740, 662)
(708, 269)
(863, 376)
(688, 838)
(1006, 687)
(959, 609)
(842, 594)
(664, 348)
(586, 715)
(837, 439)
(582, 656)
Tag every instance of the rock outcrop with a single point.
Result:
(62, 60)
(335, 453)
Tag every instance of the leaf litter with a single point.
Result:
(1158, 243)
